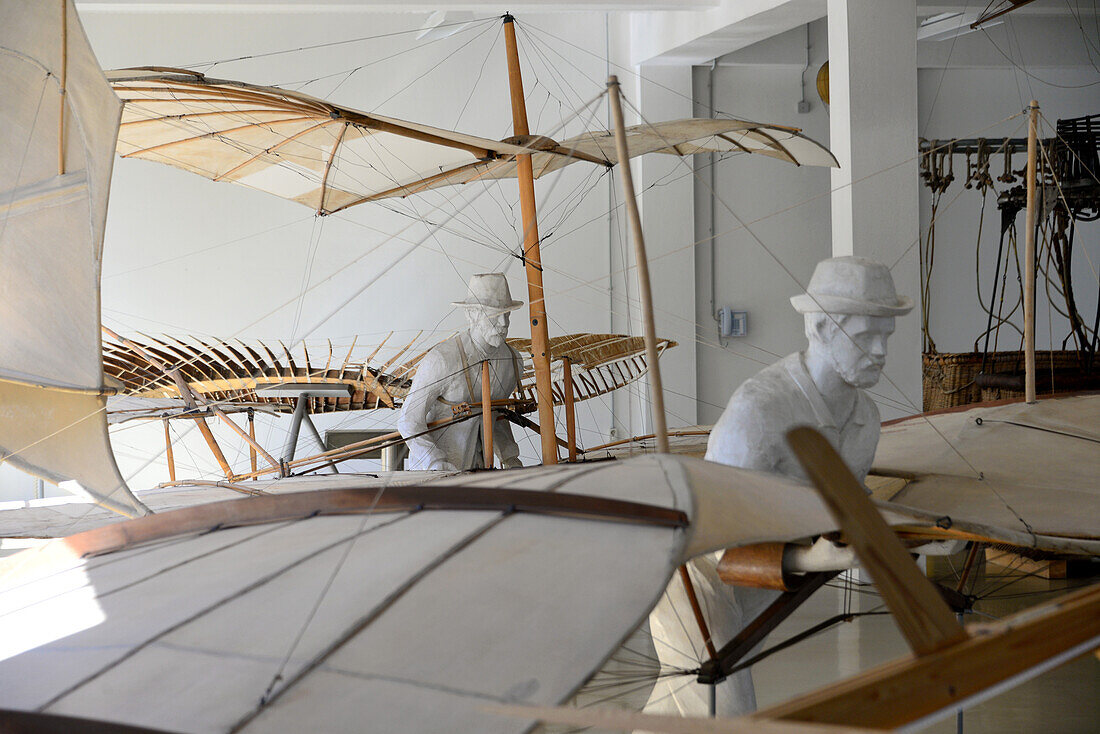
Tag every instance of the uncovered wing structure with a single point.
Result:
(330, 157)
(59, 119)
(241, 375)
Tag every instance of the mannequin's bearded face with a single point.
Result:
(855, 345)
(488, 327)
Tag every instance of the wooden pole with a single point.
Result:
(63, 80)
(570, 410)
(532, 258)
(168, 452)
(252, 437)
(241, 432)
(214, 448)
(1029, 258)
(697, 611)
(487, 414)
(660, 430)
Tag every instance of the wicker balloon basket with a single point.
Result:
(951, 380)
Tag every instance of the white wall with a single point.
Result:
(979, 88)
(761, 192)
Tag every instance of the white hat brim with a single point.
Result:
(512, 306)
(806, 303)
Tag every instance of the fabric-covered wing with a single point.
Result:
(53, 208)
(675, 137)
(409, 608)
(1022, 474)
(330, 157)
(285, 143)
(413, 613)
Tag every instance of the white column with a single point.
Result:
(873, 129)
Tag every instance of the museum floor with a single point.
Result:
(1062, 701)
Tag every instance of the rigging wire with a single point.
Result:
(331, 44)
(1028, 74)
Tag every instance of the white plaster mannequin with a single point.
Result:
(849, 311)
(451, 373)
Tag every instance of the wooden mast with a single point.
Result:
(660, 431)
(63, 80)
(532, 259)
(1029, 258)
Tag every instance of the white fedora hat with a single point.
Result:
(852, 285)
(490, 292)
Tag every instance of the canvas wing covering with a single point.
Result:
(55, 168)
(330, 157)
(286, 143)
(410, 617)
(1022, 474)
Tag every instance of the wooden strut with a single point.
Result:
(722, 662)
(532, 258)
(697, 612)
(1029, 257)
(487, 415)
(655, 387)
(63, 80)
(252, 435)
(570, 409)
(168, 452)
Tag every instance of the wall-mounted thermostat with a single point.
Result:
(732, 323)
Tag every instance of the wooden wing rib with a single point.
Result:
(232, 374)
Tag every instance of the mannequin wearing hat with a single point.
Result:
(848, 309)
(450, 374)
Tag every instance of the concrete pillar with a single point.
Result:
(873, 127)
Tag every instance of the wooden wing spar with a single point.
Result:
(241, 375)
(330, 157)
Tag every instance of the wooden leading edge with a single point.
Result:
(276, 508)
